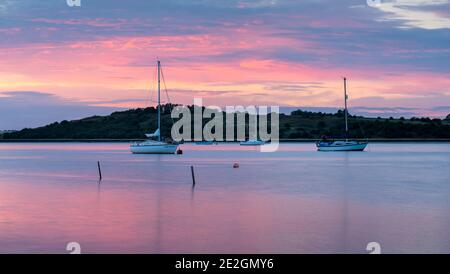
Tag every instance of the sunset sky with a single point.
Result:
(59, 62)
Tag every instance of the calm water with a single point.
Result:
(294, 201)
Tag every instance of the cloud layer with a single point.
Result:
(272, 52)
(20, 109)
(426, 14)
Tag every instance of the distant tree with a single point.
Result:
(448, 117)
(437, 121)
(321, 124)
(340, 113)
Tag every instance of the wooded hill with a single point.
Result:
(133, 123)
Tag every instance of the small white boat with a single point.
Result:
(153, 147)
(341, 146)
(252, 143)
(157, 146)
(346, 145)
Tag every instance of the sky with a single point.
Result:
(59, 62)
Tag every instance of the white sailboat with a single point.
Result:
(152, 146)
(345, 145)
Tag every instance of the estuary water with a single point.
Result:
(295, 200)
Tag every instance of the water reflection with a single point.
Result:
(293, 201)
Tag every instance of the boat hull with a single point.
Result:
(342, 146)
(252, 143)
(154, 149)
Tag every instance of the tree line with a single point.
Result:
(134, 123)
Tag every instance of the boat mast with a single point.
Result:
(346, 109)
(159, 100)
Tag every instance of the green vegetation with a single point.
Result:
(313, 125)
(132, 124)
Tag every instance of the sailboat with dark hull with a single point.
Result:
(155, 144)
(342, 145)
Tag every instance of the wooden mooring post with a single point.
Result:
(99, 171)
(193, 176)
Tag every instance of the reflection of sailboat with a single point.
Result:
(157, 146)
(327, 145)
(206, 143)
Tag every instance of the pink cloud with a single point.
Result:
(10, 31)
(120, 67)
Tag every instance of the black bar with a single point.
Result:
(225, 263)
